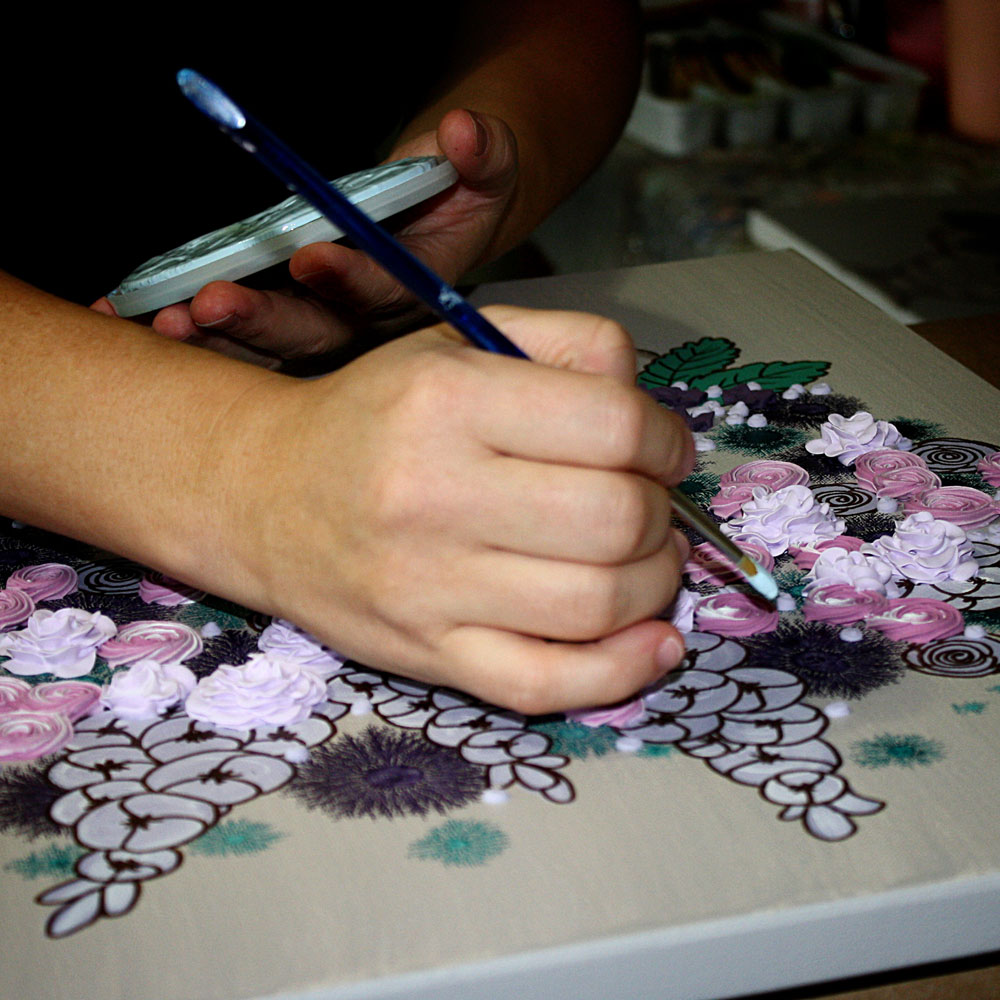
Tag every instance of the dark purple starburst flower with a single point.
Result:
(120, 608)
(809, 411)
(233, 647)
(26, 795)
(829, 666)
(384, 772)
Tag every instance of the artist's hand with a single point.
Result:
(474, 520)
(337, 290)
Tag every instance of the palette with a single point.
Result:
(272, 236)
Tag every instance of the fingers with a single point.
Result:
(570, 513)
(281, 324)
(532, 676)
(571, 602)
(349, 279)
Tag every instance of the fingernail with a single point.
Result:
(482, 136)
(219, 324)
(670, 653)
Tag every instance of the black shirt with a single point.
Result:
(106, 164)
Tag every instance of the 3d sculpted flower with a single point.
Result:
(847, 438)
(62, 642)
(147, 689)
(918, 619)
(45, 581)
(860, 570)
(267, 690)
(889, 472)
(962, 505)
(926, 550)
(989, 469)
(789, 516)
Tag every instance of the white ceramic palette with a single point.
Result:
(272, 236)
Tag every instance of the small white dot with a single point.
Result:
(714, 391)
(974, 632)
(851, 634)
(679, 385)
(735, 420)
(494, 796)
(17, 524)
(837, 710)
(821, 389)
(628, 744)
(210, 630)
(361, 707)
(755, 386)
(887, 505)
(757, 420)
(702, 443)
(297, 754)
(786, 602)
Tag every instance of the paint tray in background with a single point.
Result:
(733, 86)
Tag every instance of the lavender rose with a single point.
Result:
(147, 689)
(267, 690)
(62, 642)
(926, 550)
(789, 516)
(847, 438)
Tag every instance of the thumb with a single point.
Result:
(483, 150)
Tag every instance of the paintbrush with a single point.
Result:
(435, 293)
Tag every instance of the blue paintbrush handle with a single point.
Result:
(305, 180)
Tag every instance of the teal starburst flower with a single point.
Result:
(761, 442)
(577, 741)
(897, 750)
(236, 837)
(969, 708)
(56, 860)
(465, 843)
(700, 486)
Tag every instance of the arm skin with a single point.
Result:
(430, 509)
(540, 92)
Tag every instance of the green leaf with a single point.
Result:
(689, 361)
(774, 375)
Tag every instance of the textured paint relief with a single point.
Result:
(137, 715)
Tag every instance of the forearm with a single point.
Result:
(108, 433)
(562, 76)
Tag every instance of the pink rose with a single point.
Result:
(989, 469)
(805, 556)
(730, 499)
(15, 607)
(736, 614)
(918, 620)
(619, 715)
(707, 564)
(842, 604)
(157, 588)
(44, 582)
(961, 505)
(766, 472)
(165, 642)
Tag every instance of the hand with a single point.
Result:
(468, 519)
(339, 290)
